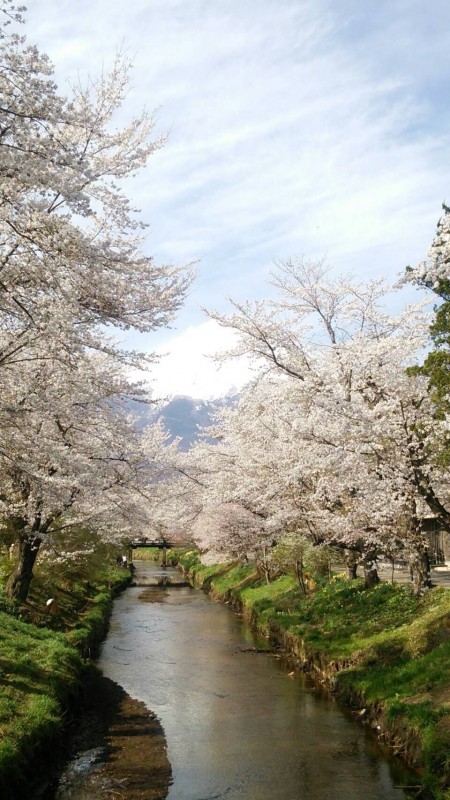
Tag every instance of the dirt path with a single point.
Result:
(118, 750)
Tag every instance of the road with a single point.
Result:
(440, 575)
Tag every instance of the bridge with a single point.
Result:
(160, 544)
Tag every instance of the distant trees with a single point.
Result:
(71, 265)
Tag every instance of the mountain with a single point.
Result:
(183, 416)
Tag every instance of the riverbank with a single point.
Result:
(385, 652)
(43, 650)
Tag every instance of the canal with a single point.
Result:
(238, 724)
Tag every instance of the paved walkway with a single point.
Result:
(440, 575)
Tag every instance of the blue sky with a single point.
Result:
(315, 127)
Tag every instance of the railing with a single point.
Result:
(159, 543)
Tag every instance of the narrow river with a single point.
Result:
(238, 725)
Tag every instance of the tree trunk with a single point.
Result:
(351, 565)
(19, 582)
(421, 571)
(392, 569)
(300, 576)
(266, 566)
(371, 577)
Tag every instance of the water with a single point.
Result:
(238, 725)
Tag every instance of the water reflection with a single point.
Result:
(237, 725)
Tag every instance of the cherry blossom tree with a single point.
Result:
(358, 467)
(71, 244)
(71, 457)
(436, 267)
(72, 265)
(227, 529)
(434, 274)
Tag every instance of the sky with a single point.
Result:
(295, 127)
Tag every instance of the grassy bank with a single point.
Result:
(147, 554)
(42, 655)
(384, 650)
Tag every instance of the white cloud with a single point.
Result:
(186, 366)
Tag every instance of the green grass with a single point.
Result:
(230, 579)
(147, 554)
(188, 559)
(220, 578)
(261, 599)
(39, 674)
(41, 663)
